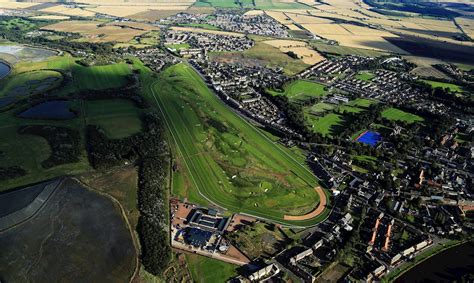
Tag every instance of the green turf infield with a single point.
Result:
(224, 159)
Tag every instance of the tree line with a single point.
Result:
(149, 150)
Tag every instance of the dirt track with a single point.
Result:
(314, 213)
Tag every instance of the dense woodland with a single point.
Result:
(11, 172)
(149, 151)
(65, 143)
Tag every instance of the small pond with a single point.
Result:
(55, 110)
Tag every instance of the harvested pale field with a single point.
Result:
(326, 30)
(139, 2)
(200, 10)
(279, 17)
(300, 48)
(387, 23)
(441, 25)
(200, 30)
(349, 13)
(292, 27)
(372, 42)
(50, 17)
(135, 25)
(254, 13)
(122, 11)
(15, 5)
(93, 31)
(467, 26)
(308, 2)
(60, 9)
(304, 19)
(348, 4)
(425, 67)
(320, 13)
(430, 37)
(154, 15)
(358, 30)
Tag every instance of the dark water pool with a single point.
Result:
(56, 109)
(4, 70)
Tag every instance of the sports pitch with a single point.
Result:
(228, 161)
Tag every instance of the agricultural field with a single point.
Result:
(274, 57)
(225, 165)
(301, 90)
(344, 50)
(50, 17)
(68, 11)
(395, 114)
(257, 4)
(95, 31)
(300, 48)
(137, 10)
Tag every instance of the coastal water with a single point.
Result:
(447, 266)
(4, 70)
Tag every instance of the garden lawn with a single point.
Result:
(178, 46)
(204, 269)
(301, 90)
(365, 76)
